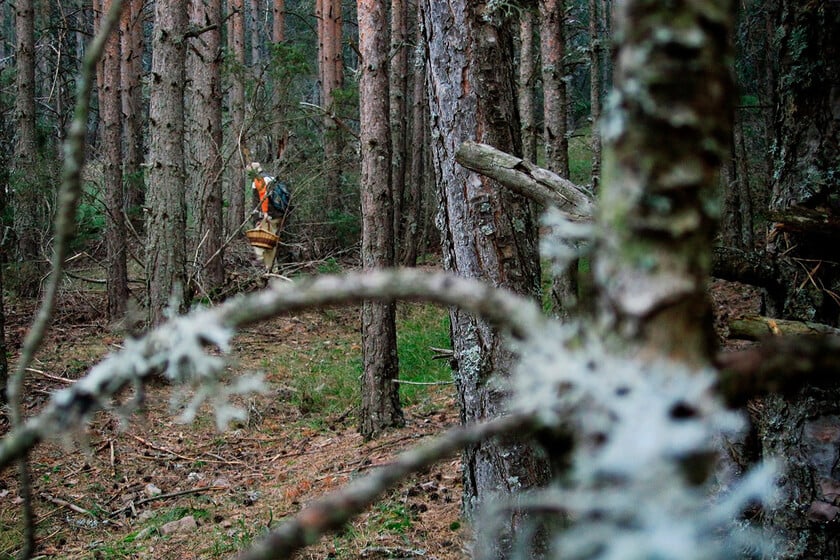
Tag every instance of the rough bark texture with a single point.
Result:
(655, 255)
(803, 431)
(204, 159)
(331, 73)
(131, 68)
(597, 38)
(380, 395)
(527, 85)
(399, 110)
(236, 43)
(807, 139)
(25, 156)
(279, 132)
(166, 246)
(487, 233)
(414, 228)
(553, 49)
(111, 136)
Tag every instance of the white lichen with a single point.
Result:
(641, 482)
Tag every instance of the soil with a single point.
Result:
(108, 492)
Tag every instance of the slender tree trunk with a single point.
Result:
(166, 245)
(398, 110)
(26, 224)
(204, 156)
(380, 395)
(236, 43)
(414, 228)
(487, 233)
(255, 33)
(279, 132)
(564, 288)
(745, 208)
(596, 36)
(331, 69)
(111, 139)
(527, 85)
(553, 49)
(278, 28)
(131, 67)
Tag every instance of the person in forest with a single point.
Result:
(259, 184)
(272, 207)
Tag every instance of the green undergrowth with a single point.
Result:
(325, 375)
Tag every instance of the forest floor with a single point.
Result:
(111, 491)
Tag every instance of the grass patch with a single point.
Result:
(419, 328)
(325, 375)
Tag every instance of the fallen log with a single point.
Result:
(782, 365)
(756, 327)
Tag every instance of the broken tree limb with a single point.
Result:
(781, 365)
(527, 179)
(756, 327)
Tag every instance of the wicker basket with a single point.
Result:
(262, 238)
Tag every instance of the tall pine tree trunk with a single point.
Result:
(415, 225)
(166, 223)
(26, 225)
(553, 50)
(398, 108)
(238, 134)
(111, 138)
(131, 67)
(527, 85)
(204, 158)
(380, 395)
(487, 233)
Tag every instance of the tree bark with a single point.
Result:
(236, 43)
(527, 85)
(204, 157)
(279, 133)
(416, 223)
(487, 233)
(26, 225)
(553, 49)
(166, 245)
(111, 136)
(380, 395)
(131, 67)
(802, 431)
(596, 48)
(331, 71)
(398, 109)
(525, 178)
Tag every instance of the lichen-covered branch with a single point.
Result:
(178, 347)
(334, 510)
(664, 143)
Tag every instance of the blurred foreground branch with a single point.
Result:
(177, 346)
